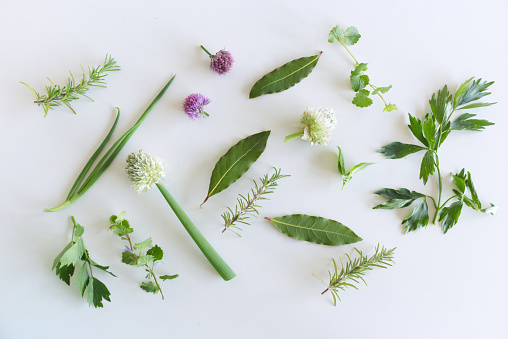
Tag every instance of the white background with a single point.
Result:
(442, 286)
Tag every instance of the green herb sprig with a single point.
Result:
(66, 261)
(346, 176)
(354, 270)
(359, 80)
(247, 206)
(57, 95)
(431, 132)
(121, 227)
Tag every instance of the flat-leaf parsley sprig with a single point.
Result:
(359, 80)
(431, 132)
(67, 260)
(57, 95)
(353, 270)
(247, 206)
(121, 227)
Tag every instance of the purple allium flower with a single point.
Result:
(220, 62)
(193, 105)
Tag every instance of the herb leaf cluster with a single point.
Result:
(358, 79)
(348, 175)
(66, 262)
(147, 256)
(431, 132)
(57, 95)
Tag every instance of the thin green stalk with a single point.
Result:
(440, 189)
(204, 49)
(209, 252)
(293, 136)
(155, 279)
(347, 49)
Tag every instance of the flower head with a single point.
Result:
(319, 125)
(144, 170)
(221, 62)
(193, 105)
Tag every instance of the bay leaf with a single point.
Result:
(284, 77)
(315, 229)
(237, 160)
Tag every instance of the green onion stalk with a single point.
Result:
(81, 185)
(144, 170)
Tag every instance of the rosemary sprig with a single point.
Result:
(247, 205)
(57, 95)
(355, 269)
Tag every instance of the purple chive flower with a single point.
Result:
(193, 105)
(220, 62)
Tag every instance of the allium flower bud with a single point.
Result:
(319, 125)
(144, 170)
(193, 105)
(221, 62)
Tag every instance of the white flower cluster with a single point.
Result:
(144, 170)
(319, 125)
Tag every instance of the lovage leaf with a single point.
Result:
(284, 77)
(315, 229)
(428, 166)
(65, 273)
(450, 215)
(416, 127)
(397, 150)
(464, 122)
(441, 106)
(97, 291)
(474, 90)
(82, 279)
(74, 253)
(418, 218)
(397, 198)
(237, 160)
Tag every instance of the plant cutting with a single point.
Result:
(82, 185)
(346, 176)
(220, 62)
(145, 170)
(317, 126)
(431, 132)
(194, 105)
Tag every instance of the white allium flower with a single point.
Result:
(144, 170)
(319, 125)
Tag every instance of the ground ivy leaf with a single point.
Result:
(397, 150)
(428, 166)
(129, 258)
(237, 160)
(284, 77)
(450, 215)
(357, 79)
(82, 279)
(336, 34)
(464, 122)
(383, 90)
(97, 291)
(144, 260)
(418, 218)
(149, 286)
(169, 277)
(348, 37)
(315, 229)
(79, 230)
(429, 129)
(65, 273)
(143, 244)
(390, 108)
(362, 99)
(74, 253)
(156, 252)
(122, 228)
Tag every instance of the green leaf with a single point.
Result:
(362, 99)
(74, 253)
(348, 37)
(416, 127)
(144, 260)
(441, 106)
(101, 267)
(462, 88)
(464, 122)
(340, 164)
(390, 108)
(143, 244)
(156, 252)
(397, 150)
(129, 258)
(418, 218)
(65, 273)
(315, 229)
(357, 79)
(478, 104)
(470, 186)
(96, 292)
(284, 77)
(237, 160)
(121, 228)
(169, 277)
(429, 129)
(59, 256)
(149, 286)
(460, 182)
(78, 230)
(474, 90)
(82, 279)
(360, 167)
(397, 198)
(383, 90)
(450, 215)
(428, 166)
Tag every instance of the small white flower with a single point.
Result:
(319, 125)
(144, 170)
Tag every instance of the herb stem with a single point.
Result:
(293, 136)
(440, 188)
(347, 49)
(204, 49)
(155, 279)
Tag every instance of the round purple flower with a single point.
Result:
(193, 105)
(221, 62)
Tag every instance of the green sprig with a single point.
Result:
(147, 256)
(67, 260)
(346, 176)
(354, 270)
(57, 95)
(358, 79)
(247, 206)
